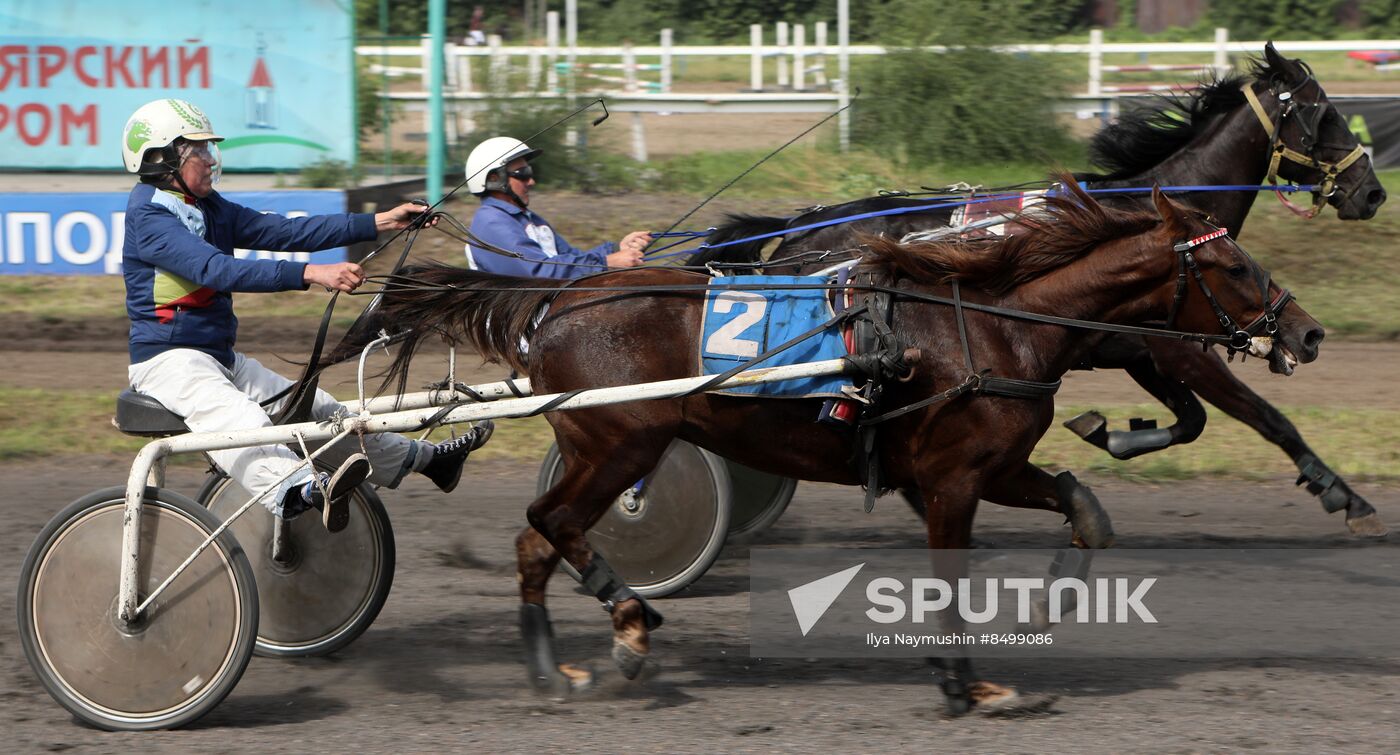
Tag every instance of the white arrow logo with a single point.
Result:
(810, 601)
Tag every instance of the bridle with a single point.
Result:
(1240, 338)
(1309, 117)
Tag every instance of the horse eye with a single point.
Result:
(1237, 271)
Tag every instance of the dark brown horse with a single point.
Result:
(1212, 137)
(1079, 259)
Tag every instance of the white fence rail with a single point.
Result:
(637, 85)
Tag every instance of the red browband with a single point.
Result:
(1193, 243)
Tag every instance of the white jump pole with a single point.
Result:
(819, 68)
(666, 60)
(783, 81)
(756, 58)
(799, 58)
(551, 52)
(843, 38)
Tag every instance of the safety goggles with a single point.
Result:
(522, 174)
(207, 152)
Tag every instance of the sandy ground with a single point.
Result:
(439, 670)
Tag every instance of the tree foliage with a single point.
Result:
(970, 103)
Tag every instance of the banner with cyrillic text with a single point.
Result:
(275, 78)
(82, 234)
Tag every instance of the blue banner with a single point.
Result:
(82, 234)
(276, 78)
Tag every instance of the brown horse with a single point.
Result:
(1213, 136)
(1077, 259)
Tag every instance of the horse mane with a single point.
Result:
(1052, 235)
(1142, 139)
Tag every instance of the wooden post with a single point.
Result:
(799, 58)
(666, 60)
(551, 74)
(783, 81)
(819, 77)
(843, 38)
(1095, 62)
(756, 58)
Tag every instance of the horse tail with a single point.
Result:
(493, 312)
(739, 226)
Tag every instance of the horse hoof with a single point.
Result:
(959, 705)
(1040, 617)
(628, 660)
(1369, 525)
(996, 700)
(1092, 527)
(563, 683)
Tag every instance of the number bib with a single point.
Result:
(740, 325)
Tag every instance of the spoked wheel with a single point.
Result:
(187, 651)
(759, 498)
(668, 536)
(327, 589)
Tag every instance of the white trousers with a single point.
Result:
(213, 398)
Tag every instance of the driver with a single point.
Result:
(180, 274)
(499, 171)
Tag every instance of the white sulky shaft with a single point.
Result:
(401, 421)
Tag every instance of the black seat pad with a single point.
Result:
(139, 414)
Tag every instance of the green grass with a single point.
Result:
(38, 424)
(1359, 444)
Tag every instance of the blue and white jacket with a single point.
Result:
(181, 274)
(546, 253)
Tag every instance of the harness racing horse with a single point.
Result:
(1076, 259)
(1240, 130)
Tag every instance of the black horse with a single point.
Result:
(1238, 130)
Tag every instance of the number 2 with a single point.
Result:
(723, 340)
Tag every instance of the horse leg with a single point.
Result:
(952, 506)
(1126, 444)
(1031, 487)
(558, 522)
(1207, 374)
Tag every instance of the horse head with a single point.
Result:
(1219, 289)
(1310, 142)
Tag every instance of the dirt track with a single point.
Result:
(439, 669)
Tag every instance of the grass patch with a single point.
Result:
(39, 424)
(1361, 444)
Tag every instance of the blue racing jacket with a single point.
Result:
(180, 272)
(546, 253)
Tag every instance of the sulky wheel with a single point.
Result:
(759, 499)
(181, 657)
(667, 536)
(326, 589)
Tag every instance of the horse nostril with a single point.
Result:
(1375, 197)
(1313, 338)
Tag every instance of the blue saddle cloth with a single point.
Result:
(740, 325)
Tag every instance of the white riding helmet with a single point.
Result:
(491, 155)
(156, 125)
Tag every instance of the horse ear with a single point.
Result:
(1285, 68)
(1167, 211)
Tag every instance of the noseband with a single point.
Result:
(1310, 124)
(1239, 337)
